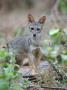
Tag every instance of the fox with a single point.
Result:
(24, 45)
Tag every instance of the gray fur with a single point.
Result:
(24, 43)
(23, 46)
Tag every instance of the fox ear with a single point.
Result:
(30, 18)
(42, 20)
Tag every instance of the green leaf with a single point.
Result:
(63, 6)
(64, 52)
(64, 57)
(3, 53)
(4, 85)
(2, 76)
(54, 31)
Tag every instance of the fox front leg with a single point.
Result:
(32, 63)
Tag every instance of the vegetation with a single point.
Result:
(63, 6)
(10, 78)
(56, 52)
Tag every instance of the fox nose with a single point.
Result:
(34, 35)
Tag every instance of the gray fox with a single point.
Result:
(22, 46)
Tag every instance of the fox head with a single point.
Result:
(36, 27)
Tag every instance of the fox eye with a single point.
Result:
(38, 29)
(32, 28)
